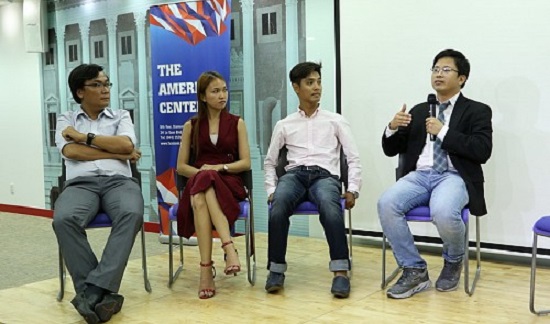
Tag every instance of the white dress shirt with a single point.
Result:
(109, 122)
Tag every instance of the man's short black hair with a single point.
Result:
(79, 75)
(461, 62)
(303, 70)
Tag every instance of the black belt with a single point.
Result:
(310, 168)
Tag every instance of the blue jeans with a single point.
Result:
(446, 195)
(324, 190)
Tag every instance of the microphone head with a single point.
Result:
(432, 100)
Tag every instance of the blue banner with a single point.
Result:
(187, 39)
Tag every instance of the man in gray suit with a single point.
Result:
(97, 144)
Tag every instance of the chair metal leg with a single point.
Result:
(533, 283)
(350, 241)
(62, 276)
(180, 266)
(467, 258)
(250, 247)
(247, 241)
(388, 279)
(467, 288)
(171, 275)
(170, 261)
(146, 282)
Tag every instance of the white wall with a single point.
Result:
(387, 50)
(21, 162)
(320, 48)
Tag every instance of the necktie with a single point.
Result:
(440, 155)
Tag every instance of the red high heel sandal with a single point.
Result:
(232, 268)
(208, 292)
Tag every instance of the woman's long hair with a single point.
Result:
(202, 112)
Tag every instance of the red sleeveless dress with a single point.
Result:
(229, 187)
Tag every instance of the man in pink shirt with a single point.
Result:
(313, 138)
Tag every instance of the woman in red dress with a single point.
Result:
(213, 151)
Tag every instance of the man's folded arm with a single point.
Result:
(270, 162)
(83, 152)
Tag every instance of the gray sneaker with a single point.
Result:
(449, 277)
(412, 281)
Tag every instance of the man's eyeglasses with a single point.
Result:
(97, 85)
(444, 70)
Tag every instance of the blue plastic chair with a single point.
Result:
(541, 227)
(246, 214)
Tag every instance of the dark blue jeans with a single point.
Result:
(324, 190)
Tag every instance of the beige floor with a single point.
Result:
(502, 294)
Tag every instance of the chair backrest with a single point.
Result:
(282, 162)
(135, 172)
(343, 169)
(400, 170)
(63, 176)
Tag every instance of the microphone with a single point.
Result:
(432, 102)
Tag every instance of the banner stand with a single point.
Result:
(187, 39)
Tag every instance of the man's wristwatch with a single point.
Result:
(225, 168)
(355, 194)
(90, 138)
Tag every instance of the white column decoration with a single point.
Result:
(64, 94)
(85, 36)
(292, 49)
(249, 89)
(113, 60)
(144, 123)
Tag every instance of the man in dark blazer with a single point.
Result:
(442, 169)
